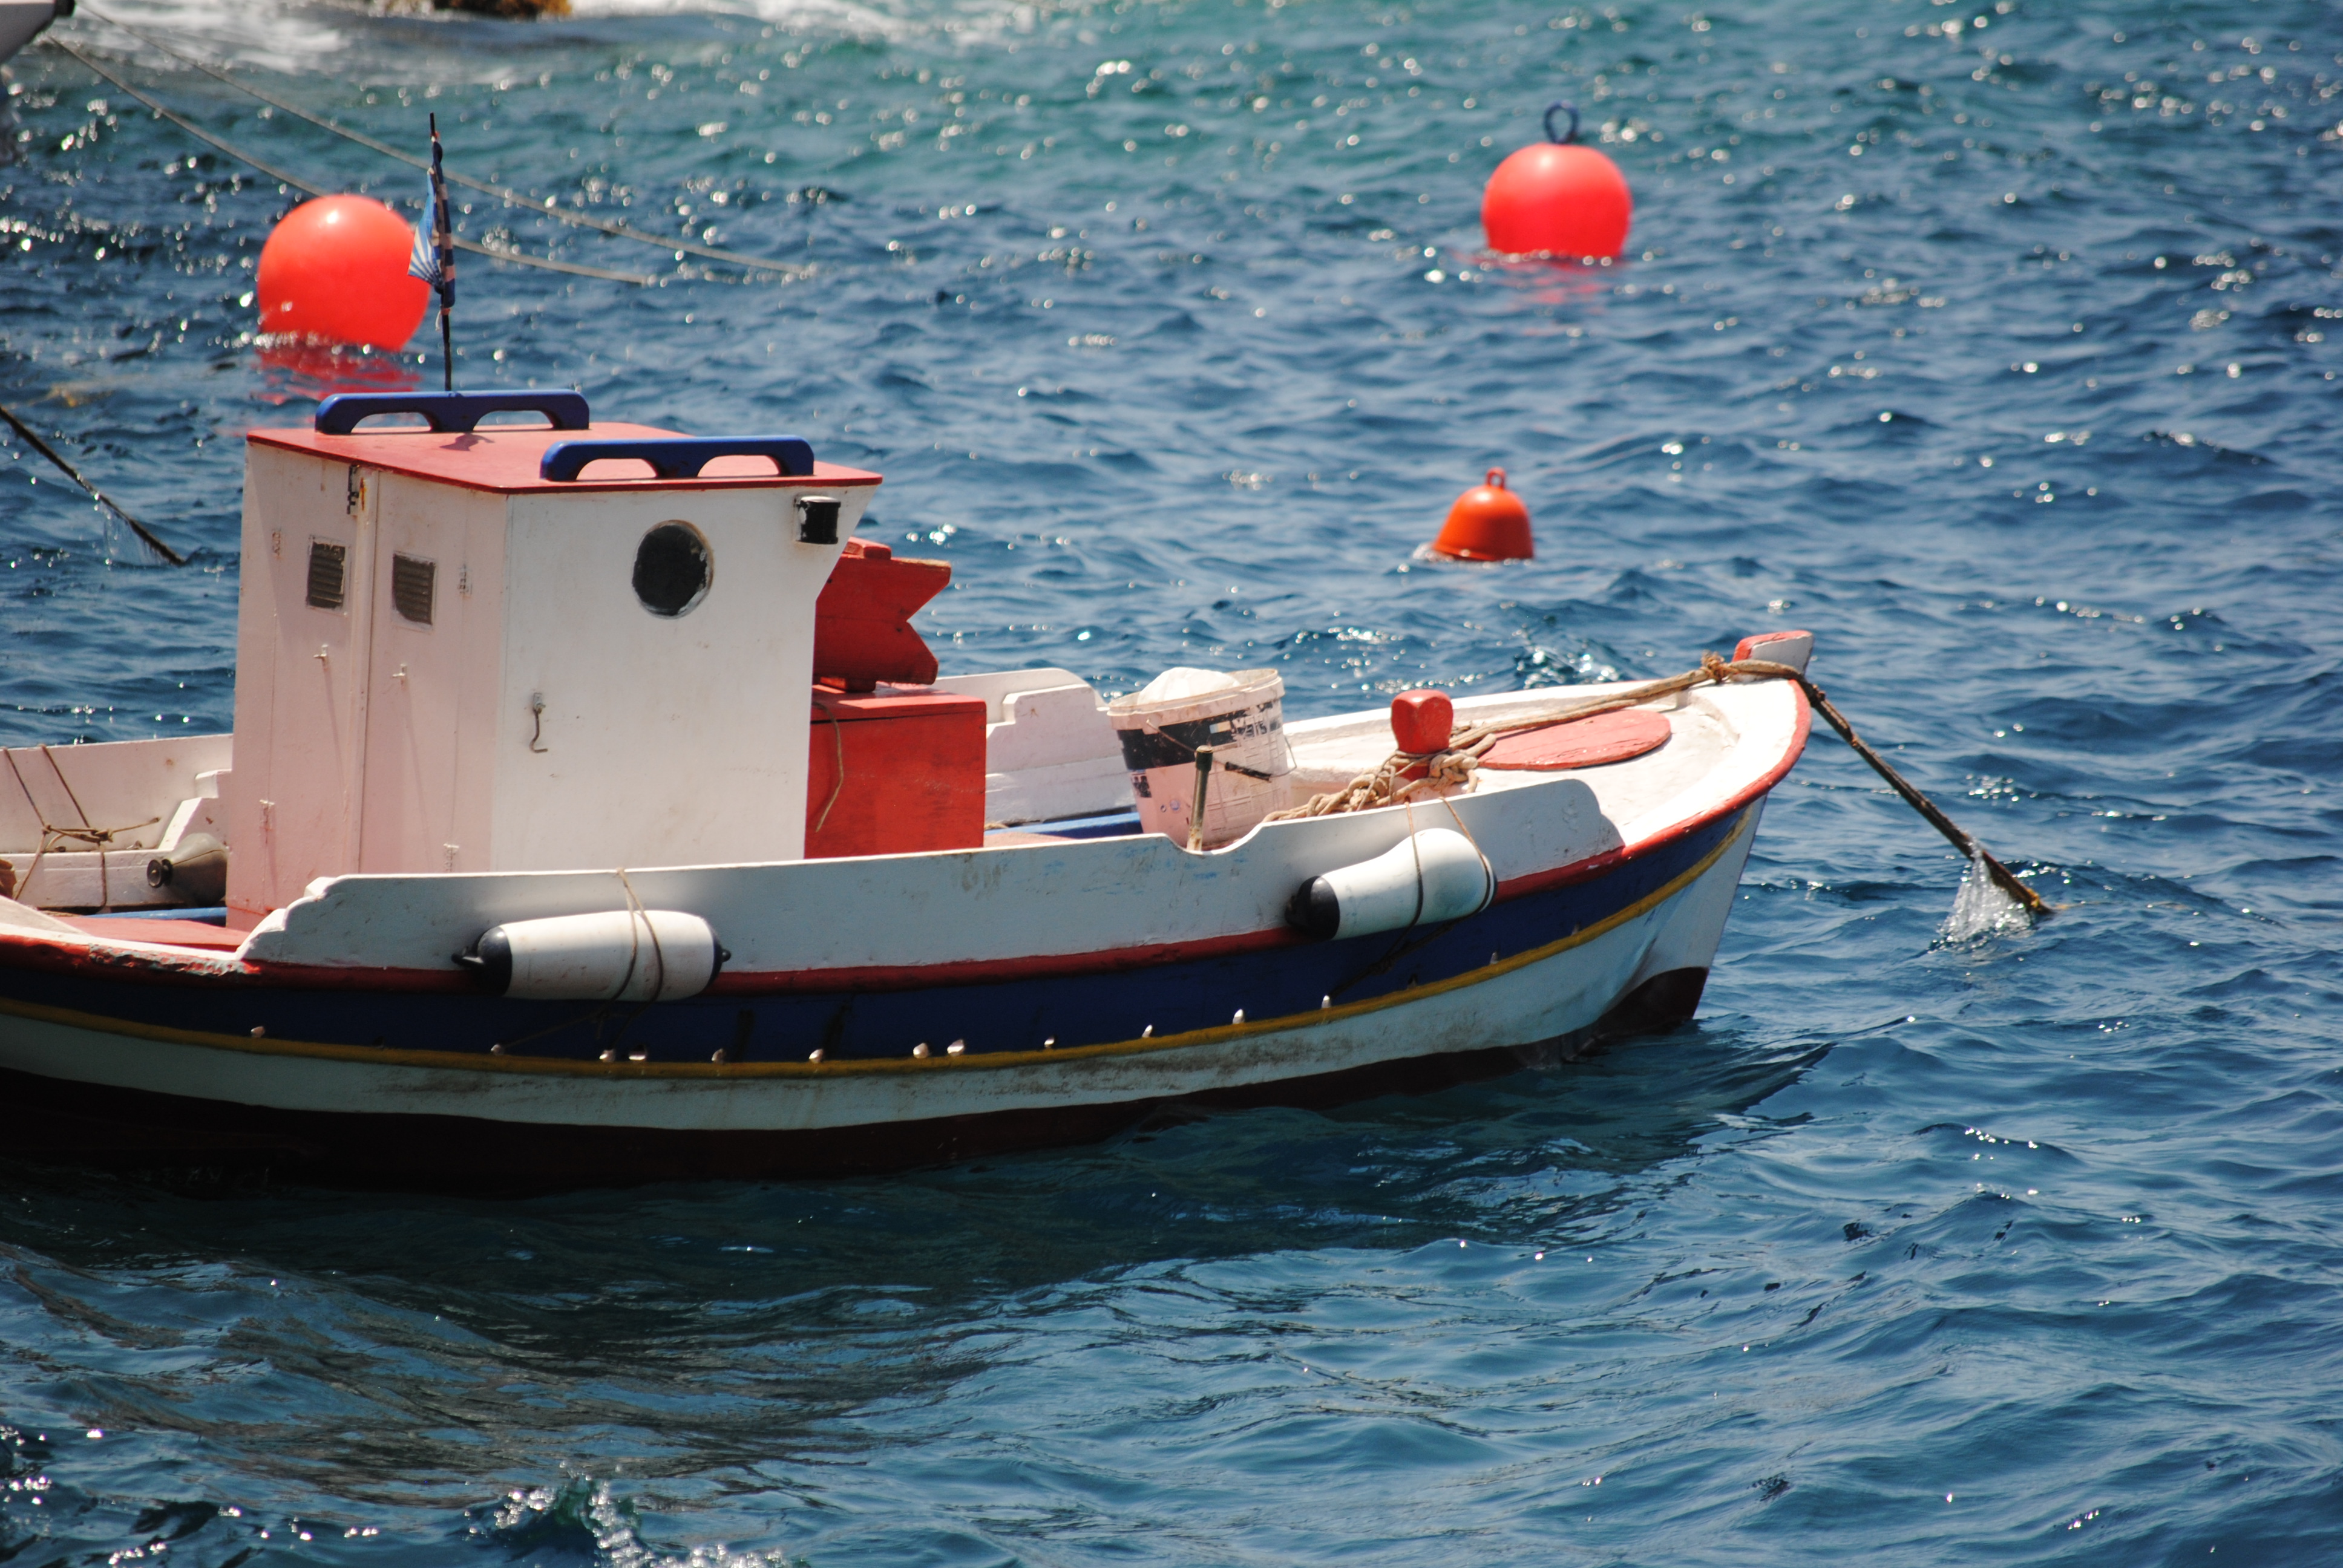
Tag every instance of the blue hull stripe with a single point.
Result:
(1018, 1015)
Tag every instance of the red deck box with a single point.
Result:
(914, 775)
(862, 624)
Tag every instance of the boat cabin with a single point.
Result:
(467, 644)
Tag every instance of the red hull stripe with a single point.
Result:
(1146, 1045)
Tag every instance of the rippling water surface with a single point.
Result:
(1992, 343)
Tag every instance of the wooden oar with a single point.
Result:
(46, 450)
(2003, 878)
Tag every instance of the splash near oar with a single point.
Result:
(1980, 908)
(434, 261)
(2002, 875)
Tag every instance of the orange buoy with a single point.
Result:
(1422, 721)
(335, 271)
(1557, 198)
(1488, 523)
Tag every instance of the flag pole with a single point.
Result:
(435, 256)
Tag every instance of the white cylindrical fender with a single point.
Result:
(618, 955)
(1429, 877)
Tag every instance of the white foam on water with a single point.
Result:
(286, 38)
(1981, 908)
(296, 37)
(590, 1504)
(841, 18)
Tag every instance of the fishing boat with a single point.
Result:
(20, 21)
(593, 812)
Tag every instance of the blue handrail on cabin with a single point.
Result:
(679, 457)
(447, 411)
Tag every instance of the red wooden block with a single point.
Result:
(862, 623)
(1422, 721)
(914, 773)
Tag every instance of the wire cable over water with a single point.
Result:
(494, 252)
(545, 207)
(145, 535)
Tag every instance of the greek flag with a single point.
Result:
(434, 257)
(424, 261)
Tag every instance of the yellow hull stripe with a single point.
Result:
(541, 1066)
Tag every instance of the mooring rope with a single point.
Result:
(52, 836)
(639, 921)
(837, 785)
(145, 535)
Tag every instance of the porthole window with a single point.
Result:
(673, 567)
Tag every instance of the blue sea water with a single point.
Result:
(1995, 343)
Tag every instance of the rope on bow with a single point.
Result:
(1390, 783)
(52, 836)
(1397, 779)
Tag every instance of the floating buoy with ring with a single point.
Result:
(1557, 198)
(1488, 523)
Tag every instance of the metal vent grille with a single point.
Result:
(328, 573)
(411, 582)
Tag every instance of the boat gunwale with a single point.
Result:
(159, 964)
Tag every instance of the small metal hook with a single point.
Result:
(536, 720)
(1570, 109)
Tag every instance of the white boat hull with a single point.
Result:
(340, 1038)
(300, 1101)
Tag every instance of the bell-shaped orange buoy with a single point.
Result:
(1557, 198)
(334, 270)
(1488, 523)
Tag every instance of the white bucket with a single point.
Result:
(1241, 716)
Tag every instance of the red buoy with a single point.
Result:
(1557, 198)
(335, 271)
(1488, 523)
(1422, 721)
